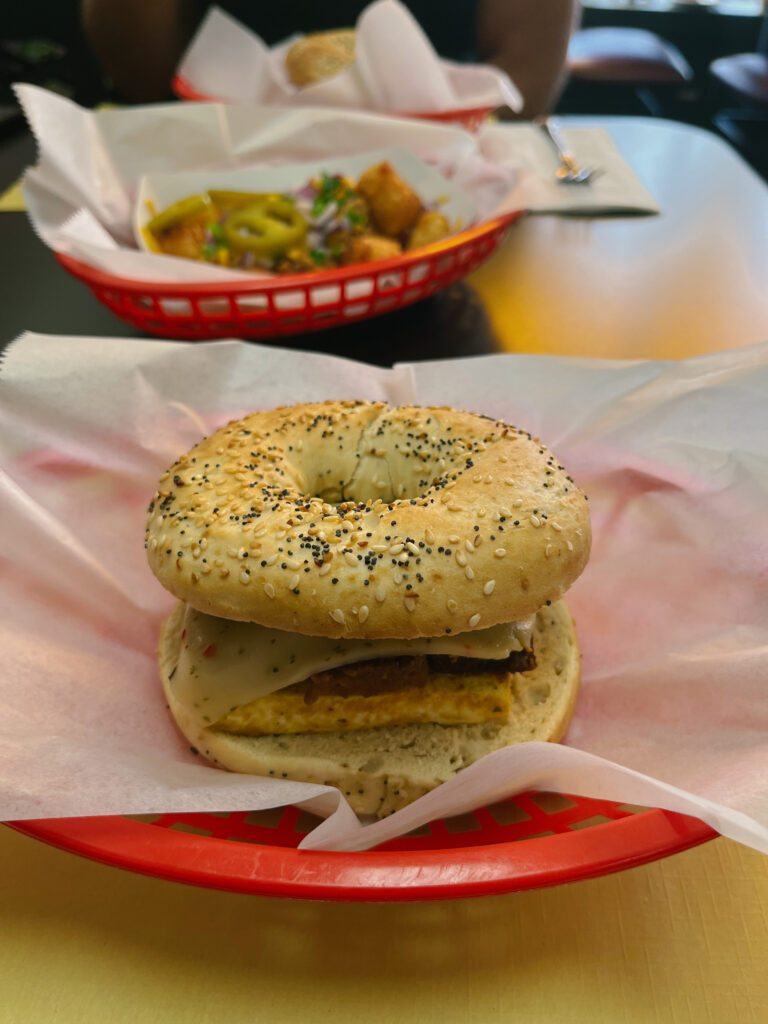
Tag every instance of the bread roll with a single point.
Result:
(321, 55)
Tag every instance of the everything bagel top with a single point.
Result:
(358, 519)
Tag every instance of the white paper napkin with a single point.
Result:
(396, 68)
(672, 611)
(615, 188)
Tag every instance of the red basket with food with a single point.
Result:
(529, 840)
(297, 303)
(470, 118)
(297, 254)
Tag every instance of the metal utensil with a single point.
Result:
(569, 171)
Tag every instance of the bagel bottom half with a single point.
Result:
(381, 770)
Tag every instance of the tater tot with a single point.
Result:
(430, 227)
(186, 238)
(365, 248)
(393, 203)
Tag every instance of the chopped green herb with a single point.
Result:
(319, 205)
(329, 183)
(317, 256)
(356, 218)
(210, 250)
(218, 232)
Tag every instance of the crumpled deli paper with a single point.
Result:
(672, 610)
(395, 69)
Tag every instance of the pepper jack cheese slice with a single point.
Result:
(226, 670)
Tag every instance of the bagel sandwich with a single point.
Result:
(369, 596)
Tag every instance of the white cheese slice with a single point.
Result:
(223, 664)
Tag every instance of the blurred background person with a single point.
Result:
(140, 43)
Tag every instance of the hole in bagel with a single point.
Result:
(384, 457)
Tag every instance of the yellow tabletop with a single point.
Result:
(682, 940)
(692, 279)
(12, 200)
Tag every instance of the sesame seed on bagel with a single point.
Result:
(359, 519)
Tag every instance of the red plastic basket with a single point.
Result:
(279, 306)
(470, 118)
(530, 841)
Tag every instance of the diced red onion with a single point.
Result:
(326, 216)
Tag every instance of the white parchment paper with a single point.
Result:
(672, 611)
(82, 192)
(395, 70)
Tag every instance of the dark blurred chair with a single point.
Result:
(746, 74)
(743, 77)
(629, 61)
